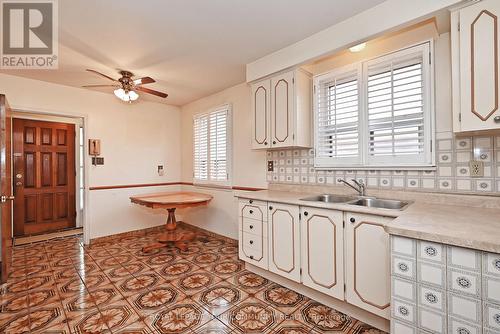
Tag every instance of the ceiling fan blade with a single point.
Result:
(102, 75)
(150, 91)
(143, 81)
(95, 86)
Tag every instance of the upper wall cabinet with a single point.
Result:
(281, 107)
(475, 66)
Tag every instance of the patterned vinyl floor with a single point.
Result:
(62, 286)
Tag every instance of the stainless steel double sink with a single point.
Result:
(370, 202)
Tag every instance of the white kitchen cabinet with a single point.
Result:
(284, 240)
(323, 250)
(282, 111)
(475, 36)
(367, 263)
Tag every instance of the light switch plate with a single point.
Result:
(476, 168)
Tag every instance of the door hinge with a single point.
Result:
(430, 58)
(300, 216)
(460, 117)
(345, 288)
(301, 271)
(343, 224)
(431, 145)
(458, 26)
(293, 80)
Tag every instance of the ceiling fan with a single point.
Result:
(127, 87)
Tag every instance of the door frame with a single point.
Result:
(80, 120)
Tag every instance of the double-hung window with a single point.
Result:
(376, 114)
(212, 158)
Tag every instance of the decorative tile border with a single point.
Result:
(452, 174)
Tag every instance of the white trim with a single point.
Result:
(229, 148)
(87, 163)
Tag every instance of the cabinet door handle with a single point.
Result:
(274, 142)
(265, 143)
(496, 119)
(270, 208)
(352, 220)
(251, 257)
(251, 242)
(251, 226)
(251, 211)
(250, 201)
(306, 213)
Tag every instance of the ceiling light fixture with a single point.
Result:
(127, 96)
(358, 48)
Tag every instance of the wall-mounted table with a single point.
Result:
(172, 201)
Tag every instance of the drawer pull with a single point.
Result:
(251, 227)
(431, 251)
(251, 211)
(270, 208)
(251, 242)
(464, 282)
(461, 330)
(251, 257)
(431, 298)
(496, 263)
(250, 201)
(496, 317)
(403, 311)
(403, 267)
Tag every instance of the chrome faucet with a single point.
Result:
(361, 187)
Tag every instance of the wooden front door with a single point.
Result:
(5, 187)
(44, 176)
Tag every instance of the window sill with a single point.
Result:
(378, 168)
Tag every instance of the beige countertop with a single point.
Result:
(459, 225)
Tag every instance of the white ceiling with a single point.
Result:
(192, 48)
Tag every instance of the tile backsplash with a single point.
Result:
(452, 174)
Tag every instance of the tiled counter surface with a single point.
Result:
(459, 225)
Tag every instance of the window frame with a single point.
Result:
(389, 163)
(229, 157)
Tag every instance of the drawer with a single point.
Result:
(254, 226)
(404, 289)
(257, 257)
(491, 289)
(464, 258)
(431, 320)
(251, 240)
(431, 251)
(256, 210)
(403, 246)
(464, 282)
(491, 314)
(457, 326)
(491, 264)
(432, 274)
(399, 327)
(465, 308)
(404, 311)
(403, 267)
(431, 298)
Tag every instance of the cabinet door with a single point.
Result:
(261, 110)
(284, 240)
(322, 246)
(479, 66)
(367, 263)
(282, 110)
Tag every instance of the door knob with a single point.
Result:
(5, 198)
(19, 183)
(19, 176)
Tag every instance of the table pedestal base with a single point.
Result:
(178, 238)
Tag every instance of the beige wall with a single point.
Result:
(248, 165)
(135, 138)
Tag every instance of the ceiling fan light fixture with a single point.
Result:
(127, 96)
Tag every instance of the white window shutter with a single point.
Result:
(211, 146)
(396, 108)
(337, 119)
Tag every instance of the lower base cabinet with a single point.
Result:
(323, 261)
(367, 263)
